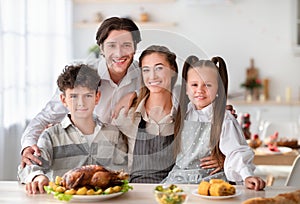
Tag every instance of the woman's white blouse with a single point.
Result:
(238, 163)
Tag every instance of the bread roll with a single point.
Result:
(212, 181)
(216, 187)
(203, 188)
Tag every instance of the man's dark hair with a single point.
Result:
(115, 23)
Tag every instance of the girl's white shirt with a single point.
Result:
(238, 163)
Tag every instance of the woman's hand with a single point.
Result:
(255, 183)
(211, 162)
(37, 185)
(28, 156)
(125, 102)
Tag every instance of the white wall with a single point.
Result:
(236, 31)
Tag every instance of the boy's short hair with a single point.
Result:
(78, 75)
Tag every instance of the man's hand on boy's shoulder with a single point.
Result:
(28, 156)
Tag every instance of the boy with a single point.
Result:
(80, 139)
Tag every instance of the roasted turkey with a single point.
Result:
(92, 176)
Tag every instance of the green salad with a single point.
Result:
(169, 195)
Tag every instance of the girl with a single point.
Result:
(208, 128)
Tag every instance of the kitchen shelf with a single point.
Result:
(266, 112)
(145, 25)
(123, 1)
(140, 24)
(88, 23)
(264, 103)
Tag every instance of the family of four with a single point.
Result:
(124, 115)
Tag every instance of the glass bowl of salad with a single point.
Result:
(171, 194)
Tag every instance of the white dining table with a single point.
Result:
(13, 192)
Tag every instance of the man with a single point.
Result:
(118, 39)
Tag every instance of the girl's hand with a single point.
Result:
(211, 162)
(255, 183)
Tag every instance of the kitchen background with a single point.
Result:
(237, 30)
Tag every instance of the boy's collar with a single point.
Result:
(66, 122)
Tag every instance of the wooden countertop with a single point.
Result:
(275, 159)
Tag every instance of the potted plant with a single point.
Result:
(95, 49)
(252, 85)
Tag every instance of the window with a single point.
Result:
(35, 44)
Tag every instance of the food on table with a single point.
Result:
(255, 141)
(271, 142)
(212, 181)
(88, 180)
(203, 188)
(216, 187)
(284, 198)
(92, 175)
(169, 195)
(272, 139)
(288, 142)
(273, 148)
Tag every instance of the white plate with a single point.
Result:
(195, 193)
(94, 198)
(265, 150)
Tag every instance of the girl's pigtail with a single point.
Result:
(219, 108)
(220, 63)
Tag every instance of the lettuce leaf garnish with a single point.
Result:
(126, 187)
